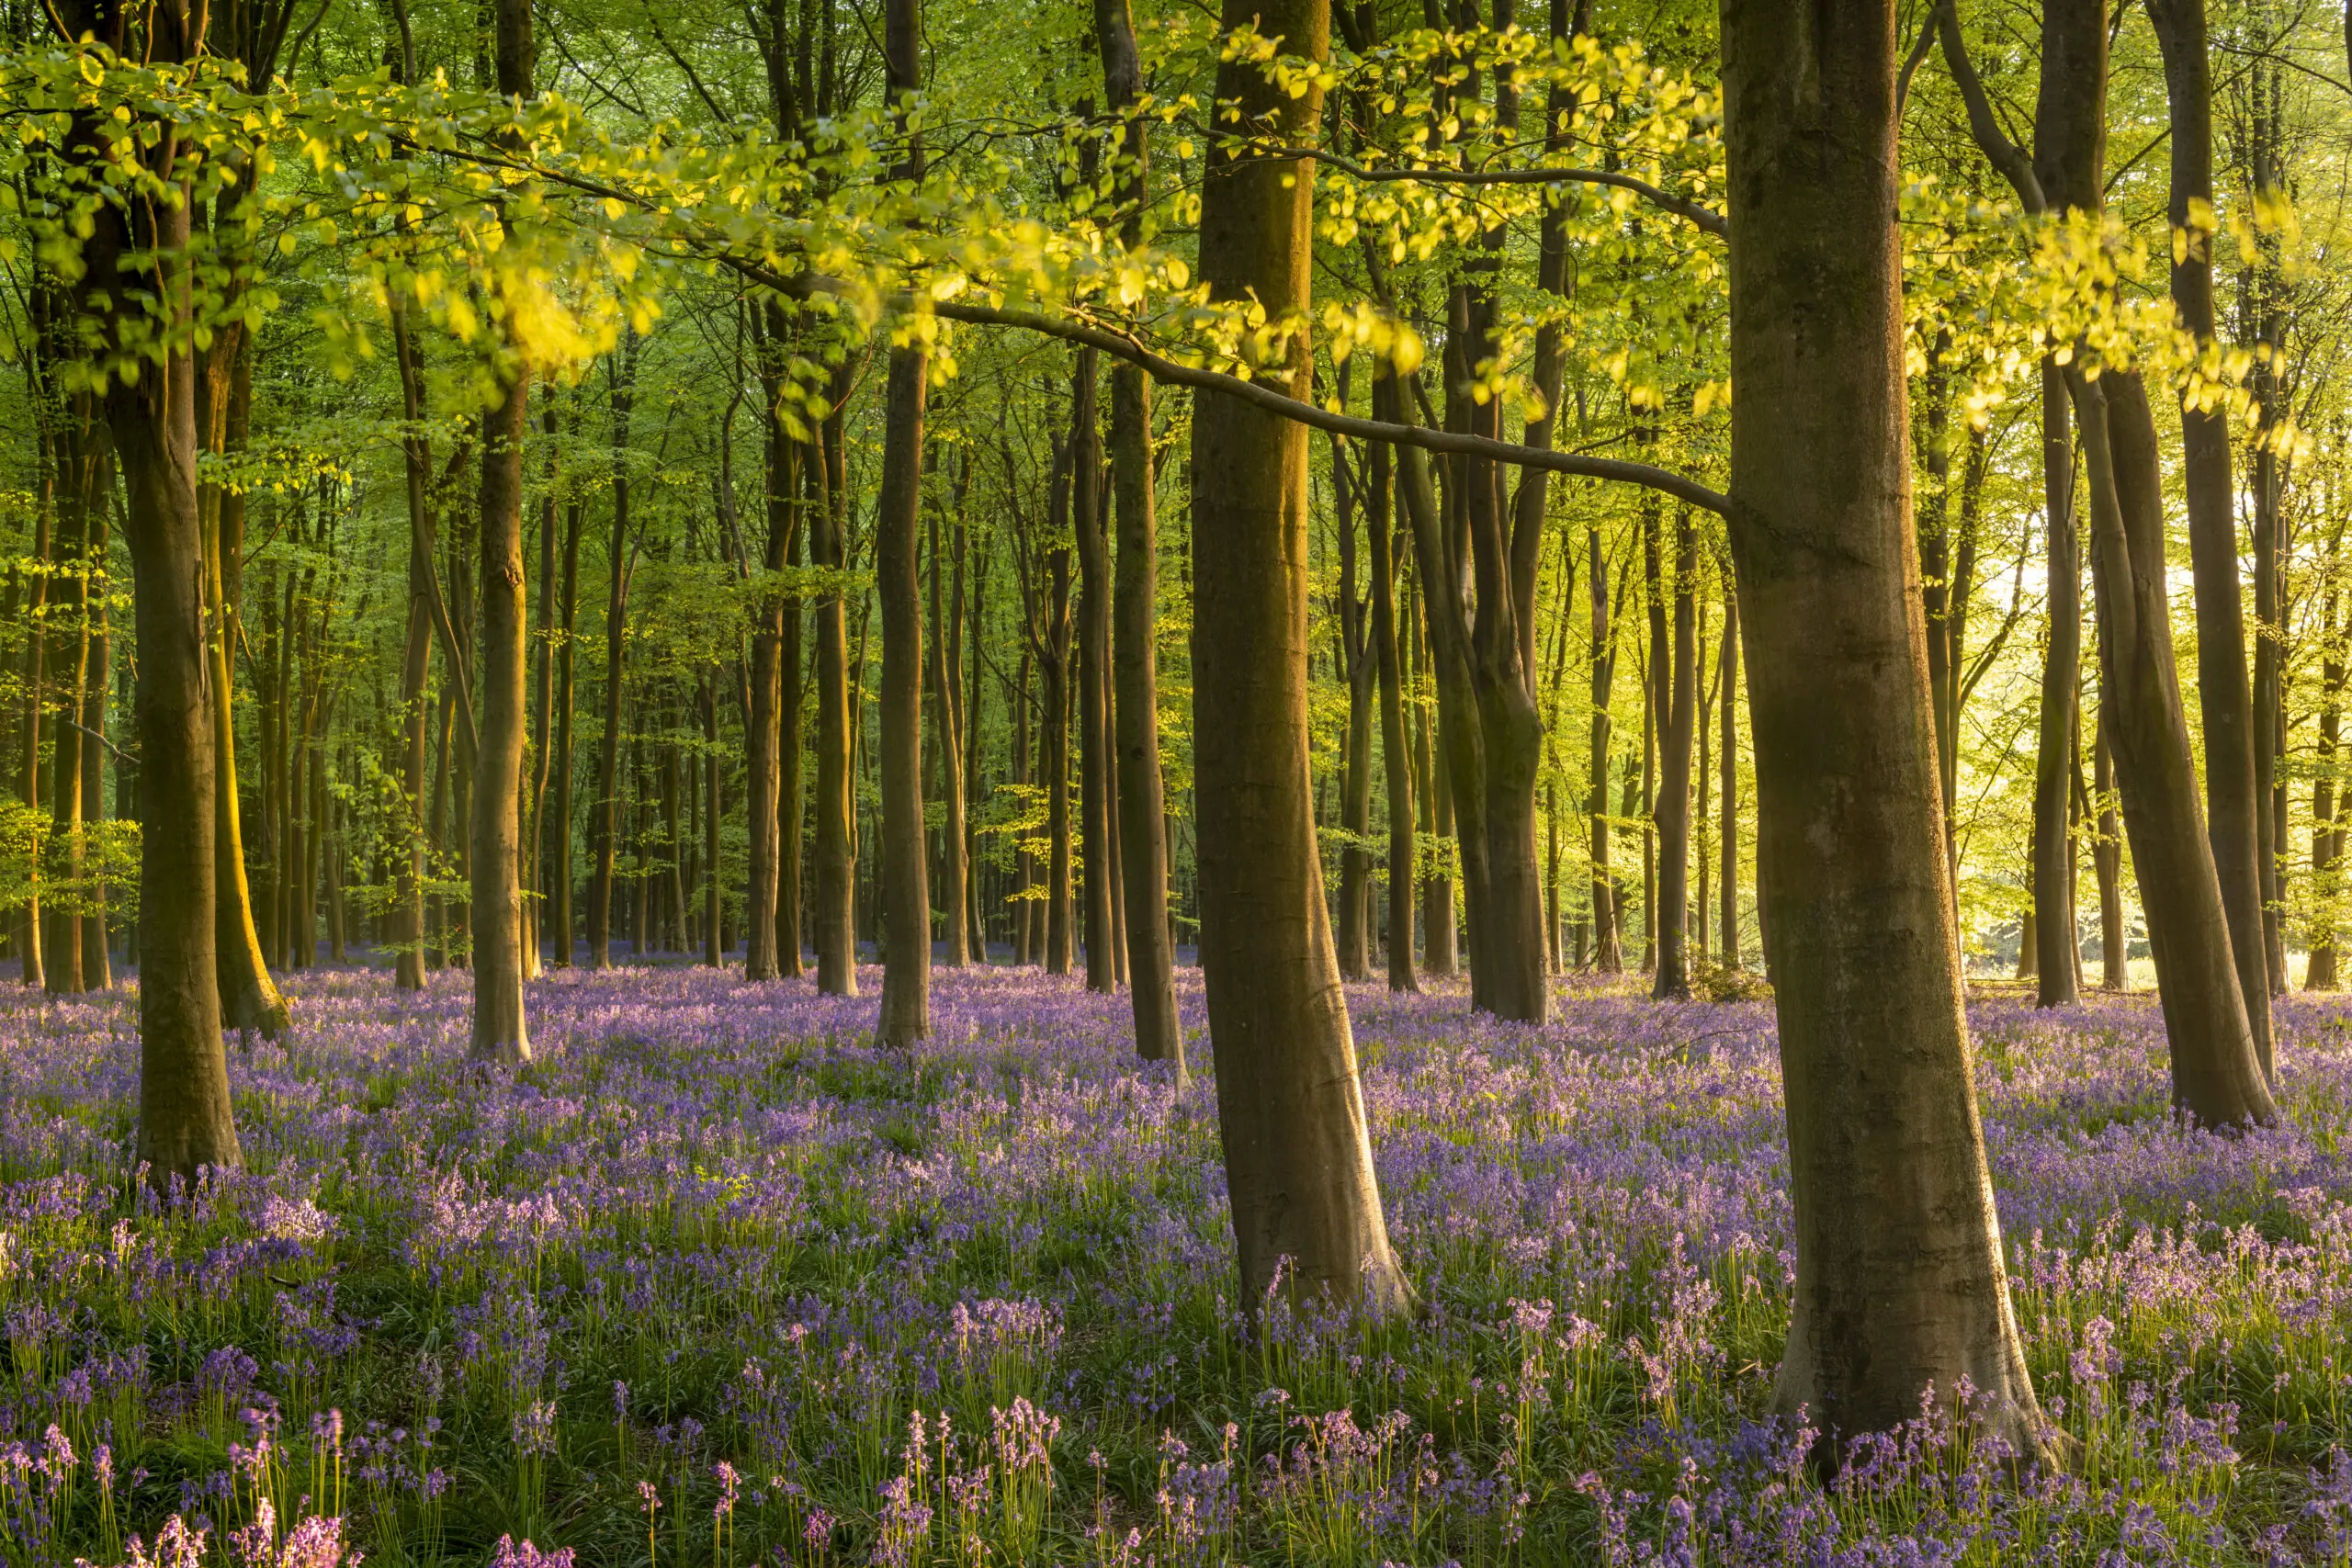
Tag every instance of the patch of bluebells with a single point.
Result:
(713, 1283)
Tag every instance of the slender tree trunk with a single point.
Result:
(249, 997)
(905, 1019)
(764, 748)
(535, 837)
(1673, 809)
(2053, 881)
(2233, 803)
(835, 915)
(1397, 763)
(789, 736)
(1055, 664)
(28, 734)
(503, 646)
(604, 810)
(947, 732)
(1608, 955)
(1306, 1203)
(2319, 973)
(1093, 676)
(97, 974)
(2217, 1070)
(1729, 665)
(1900, 1287)
(1351, 660)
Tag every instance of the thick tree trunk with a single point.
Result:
(185, 1123)
(2053, 850)
(2233, 804)
(1306, 1203)
(1900, 1287)
(503, 646)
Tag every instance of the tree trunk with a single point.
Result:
(1900, 1287)
(604, 811)
(29, 731)
(2053, 850)
(1609, 954)
(1095, 815)
(503, 646)
(1673, 808)
(764, 743)
(2233, 804)
(834, 918)
(1729, 811)
(2217, 1075)
(947, 731)
(1306, 1203)
(185, 1123)
(1352, 659)
(535, 838)
(2319, 973)
(98, 973)
(249, 998)
(1396, 765)
(905, 1019)
(788, 773)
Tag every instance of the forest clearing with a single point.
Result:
(1155, 781)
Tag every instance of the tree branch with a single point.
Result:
(1705, 218)
(1261, 395)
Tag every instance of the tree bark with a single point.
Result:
(1396, 765)
(905, 1019)
(1095, 815)
(834, 916)
(185, 1122)
(2053, 850)
(1135, 606)
(2233, 806)
(764, 745)
(1306, 1203)
(1609, 954)
(1672, 982)
(604, 810)
(1900, 1286)
(1729, 810)
(2319, 972)
(500, 1032)
(947, 731)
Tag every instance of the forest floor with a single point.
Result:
(712, 1282)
